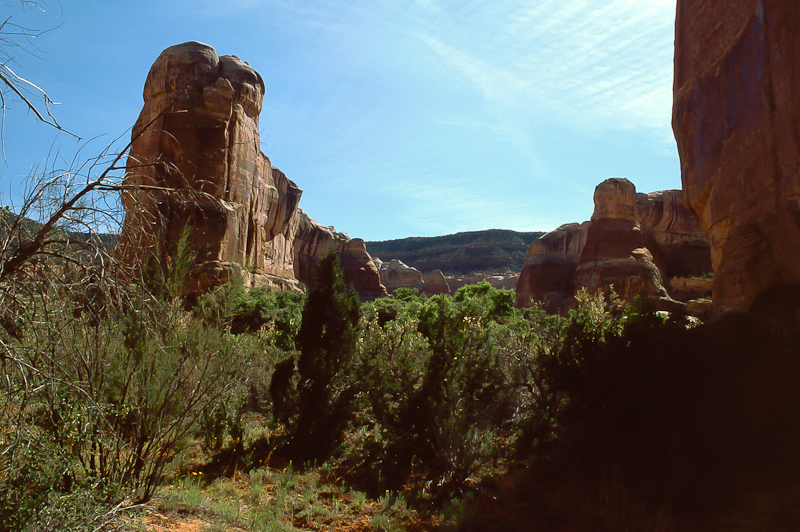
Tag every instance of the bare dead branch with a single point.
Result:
(30, 248)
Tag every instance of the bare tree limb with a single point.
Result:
(28, 249)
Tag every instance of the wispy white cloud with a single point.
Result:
(494, 81)
(311, 13)
(600, 67)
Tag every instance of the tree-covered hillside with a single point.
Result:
(491, 251)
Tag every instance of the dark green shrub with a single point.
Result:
(257, 307)
(248, 310)
(323, 387)
(435, 392)
(406, 294)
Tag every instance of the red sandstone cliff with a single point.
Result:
(643, 244)
(736, 118)
(196, 162)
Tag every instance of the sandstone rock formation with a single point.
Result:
(550, 267)
(195, 164)
(435, 283)
(736, 118)
(615, 252)
(395, 274)
(642, 244)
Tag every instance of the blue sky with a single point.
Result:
(396, 118)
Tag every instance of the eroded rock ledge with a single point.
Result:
(646, 245)
(196, 163)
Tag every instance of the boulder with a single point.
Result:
(396, 274)
(736, 119)
(435, 283)
(196, 171)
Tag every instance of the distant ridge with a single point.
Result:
(490, 251)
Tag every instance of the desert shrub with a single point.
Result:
(258, 306)
(435, 391)
(485, 301)
(104, 401)
(247, 310)
(406, 294)
(31, 475)
(222, 423)
(316, 404)
(614, 389)
(389, 308)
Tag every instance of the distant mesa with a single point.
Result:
(196, 163)
(645, 245)
(494, 255)
(491, 252)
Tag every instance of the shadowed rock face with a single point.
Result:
(196, 153)
(639, 243)
(550, 267)
(736, 118)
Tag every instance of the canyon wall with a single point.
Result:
(196, 168)
(646, 245)
(736, 118)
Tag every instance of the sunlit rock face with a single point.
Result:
(637, 243)
(314, 240)
(195, 164)
(616, 253)
(397, 274)
(736, 118)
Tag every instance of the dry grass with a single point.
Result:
(271, 500)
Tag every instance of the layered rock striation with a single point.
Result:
(549, 270)
(736, 118)
(492, 252)
(196, 169)
(641, 244)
